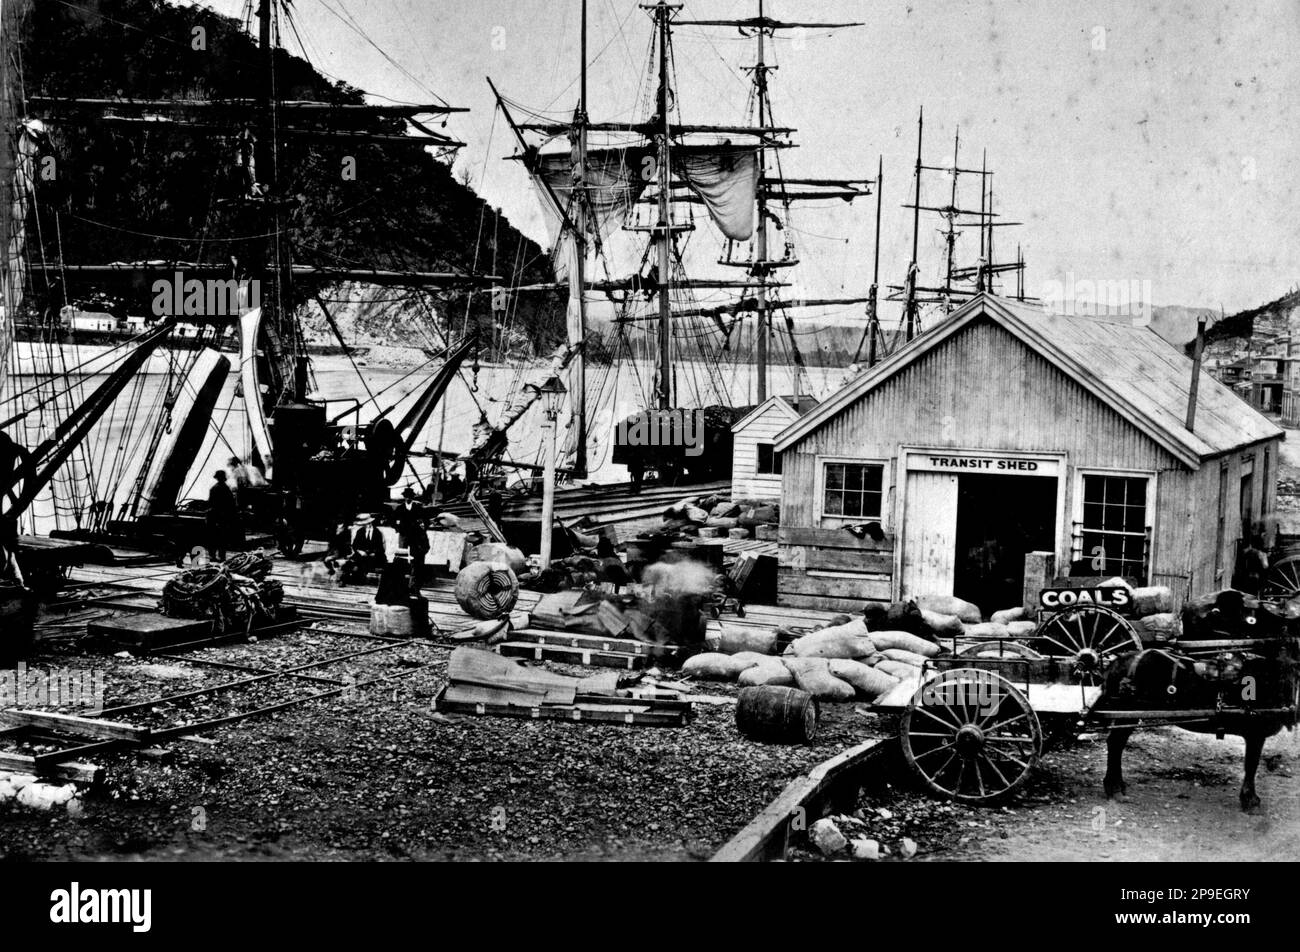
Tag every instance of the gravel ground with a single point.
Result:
(1181, 805)
(378, 774)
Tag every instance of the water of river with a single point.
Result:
(117, 445)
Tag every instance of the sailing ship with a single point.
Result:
(322, 464)
(637, 185)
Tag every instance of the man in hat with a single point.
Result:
(223, 516)
(410, 519)
(368, 553)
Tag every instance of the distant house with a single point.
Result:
(78, 320)
(755, 464)
(1006, 430)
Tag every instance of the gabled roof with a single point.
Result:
(791, 408)
(1126, 366)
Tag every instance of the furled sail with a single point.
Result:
(615, 180)
(725, 177)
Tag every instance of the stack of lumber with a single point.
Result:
(480, 682)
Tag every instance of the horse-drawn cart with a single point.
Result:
(975, 722)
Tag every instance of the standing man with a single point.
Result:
(411, 524)
(222, 516)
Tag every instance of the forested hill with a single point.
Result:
(122, 194)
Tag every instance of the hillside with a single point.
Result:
(1228, 336)
(122, 194)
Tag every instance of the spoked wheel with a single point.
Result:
(1283, 580)
(1000, 648)
(971, 736)
(1090, 636)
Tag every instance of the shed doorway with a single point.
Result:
(999, 519)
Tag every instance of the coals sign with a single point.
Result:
(1055, 599)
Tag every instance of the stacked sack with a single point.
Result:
(717, 516)
(843, 662)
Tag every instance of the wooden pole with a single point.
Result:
(760, 246)
(548, 493)
(578, 275)
(665, 221)
(916, 231)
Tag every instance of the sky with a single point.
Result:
(1151, 142)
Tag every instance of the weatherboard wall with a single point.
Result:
(981, 390)
(762, 426)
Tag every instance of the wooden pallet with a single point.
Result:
(587, 709)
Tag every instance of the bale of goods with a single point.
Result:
(721, 522)
(814, 676)
(869, 683)
(737, 533)
(904, 640)
(696, 514)
(713, 666)
(1020, 629)
(759, 516)
(1008, 615)
(766, 533)
(725, 509)
(1152, 600)
(777, 714)
(768, 671)
(941, 624)
(736, 638)
(1161, 623)
(968, 612)
(709, 532)
(902, 654)
(842, 641)
(898, 669)
(487, 589)
(500, 552)
(987, 631)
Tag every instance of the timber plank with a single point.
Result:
(572, 655)
(77, 726)
(597, 643)
(832, 539)
(76, 772)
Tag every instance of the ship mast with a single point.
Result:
(578, 273)
(760, 268)
(663, 228)
(911, 306)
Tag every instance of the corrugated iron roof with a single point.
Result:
(1127, 366)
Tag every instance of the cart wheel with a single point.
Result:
(1090, 636)
(740, 611)
(970, 735)
(1283, 580)
(713, 611)
(1000, 649)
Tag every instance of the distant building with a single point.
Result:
(1006, 430)
(755, 465)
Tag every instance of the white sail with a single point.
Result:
(249, 324)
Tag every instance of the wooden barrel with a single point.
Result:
(776, 714)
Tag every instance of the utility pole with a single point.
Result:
(952, 226)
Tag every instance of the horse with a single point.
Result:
(1227, 682)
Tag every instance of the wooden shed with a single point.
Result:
(755, 465)
(1006, 430)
